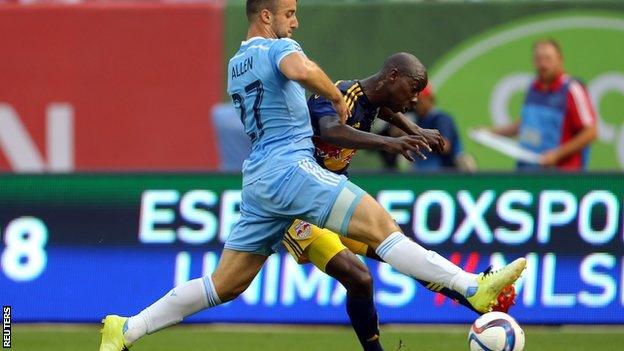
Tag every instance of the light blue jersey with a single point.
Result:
(272, 108)
(281, 179)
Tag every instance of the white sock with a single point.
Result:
(183, 300)
(409, 258)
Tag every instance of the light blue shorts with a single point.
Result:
(302, 191)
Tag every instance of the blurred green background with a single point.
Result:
(492, 41)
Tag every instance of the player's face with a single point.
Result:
(284, 20)
(548, 63)
(404, 93)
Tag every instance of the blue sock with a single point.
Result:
(365, 322)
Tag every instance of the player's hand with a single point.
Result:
(342, 109)
(433, 137)
(408, 144)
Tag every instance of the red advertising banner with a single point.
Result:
(124, 87)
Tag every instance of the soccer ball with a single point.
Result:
(496, 331)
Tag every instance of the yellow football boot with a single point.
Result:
(112, 334)
(491, 283)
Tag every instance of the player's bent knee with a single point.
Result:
(352, 274)
(359, 284)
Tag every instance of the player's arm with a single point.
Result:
(333, 132)
(297, 67)
(576, 144)
(399, 120)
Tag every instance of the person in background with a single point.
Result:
(233, 144)
(558, 120)
(452, 156)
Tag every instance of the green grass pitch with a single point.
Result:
(308, 338)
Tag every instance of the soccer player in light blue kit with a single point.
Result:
(282, 182)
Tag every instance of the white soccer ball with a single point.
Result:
(496, 331)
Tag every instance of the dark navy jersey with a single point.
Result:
(363, 113)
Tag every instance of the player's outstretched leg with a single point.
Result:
(371, 224)
(505, 299)
(232, 276)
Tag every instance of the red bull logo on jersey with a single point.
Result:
(334, 158)
(303, 230)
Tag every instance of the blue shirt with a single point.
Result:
(548, 121)
(436, 119)
(272, 108)
(363, 113)
(234, 144)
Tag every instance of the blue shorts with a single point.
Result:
(302, 191)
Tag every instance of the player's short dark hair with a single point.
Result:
(254, 7)
(551, 42)
(408, 65)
